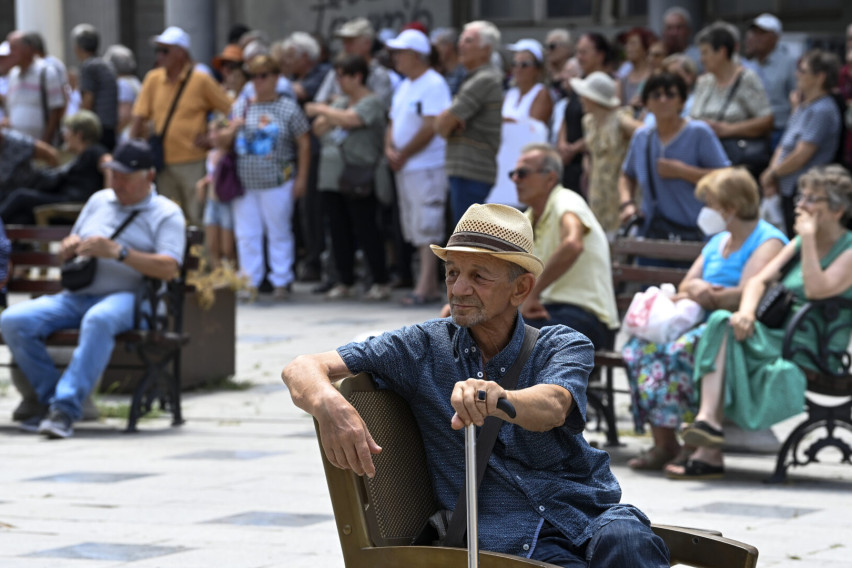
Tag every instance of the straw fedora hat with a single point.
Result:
(498, 230)
(598, 87)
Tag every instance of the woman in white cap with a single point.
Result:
(607, 128)
(528, 98)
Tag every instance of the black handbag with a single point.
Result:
(659, 226)
(79, 272)
(777, 301)
(156, 141)
(752, 153)
(356, 182)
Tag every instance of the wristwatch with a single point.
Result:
(122, 254)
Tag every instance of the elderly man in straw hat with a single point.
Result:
(546, 494)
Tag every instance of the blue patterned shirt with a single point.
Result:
(531, 476)
(817, 123)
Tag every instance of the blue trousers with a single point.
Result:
(464, 193)
(620, 543)
(580, 320)
(99, 319)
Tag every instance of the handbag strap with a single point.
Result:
(486, 439)
(126, 222)
(730, 97)
(174, 104)
(788, 266)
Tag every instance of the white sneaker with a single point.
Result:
(281, 293)
(378, 292)
(246, 295)
(339, 292)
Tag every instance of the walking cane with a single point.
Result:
(470, 484)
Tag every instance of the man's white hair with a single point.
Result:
(678, 11)
(304, 44)
(559, 35)
(488, 33)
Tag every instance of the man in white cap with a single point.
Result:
(473, 122)
(151, 243)
(776, 67)
(175, 93)
(357, 36)
(416, 154)
(543, 480)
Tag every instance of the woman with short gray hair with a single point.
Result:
(122, 60)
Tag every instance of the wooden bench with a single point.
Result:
(828, 320)
(629, 277)
(377, 518)
(158, 334)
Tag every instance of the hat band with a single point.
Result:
(481, 240)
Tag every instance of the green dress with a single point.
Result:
(761, 388)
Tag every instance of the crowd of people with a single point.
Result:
(342, 171)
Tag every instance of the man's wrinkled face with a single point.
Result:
(675, 33)
(478, 287)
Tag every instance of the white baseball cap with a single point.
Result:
(768, 22)
(5, 49)
(414, 40)
(173, 35)
(530, 45)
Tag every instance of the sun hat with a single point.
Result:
(173, 35)
(598, 87)
(498, 230)
(231, 52)
(356, 28)
(414, 40)
(530, 45)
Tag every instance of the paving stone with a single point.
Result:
(109, 551)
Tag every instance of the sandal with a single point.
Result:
(698, 470)
(701, 434)
(414, 300)
(653, 459)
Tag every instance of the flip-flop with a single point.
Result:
(652, 459)
(701, 434)
(698, 470)
(413, 299)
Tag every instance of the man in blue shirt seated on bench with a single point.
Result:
(547, 494)
(151, 244)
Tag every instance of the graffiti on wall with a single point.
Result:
(331, 14)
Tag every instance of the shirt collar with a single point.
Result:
(499, 364)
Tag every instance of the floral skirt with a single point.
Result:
(660, 377)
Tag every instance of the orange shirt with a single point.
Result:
(201, 95)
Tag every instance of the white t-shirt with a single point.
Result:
(428, 95)
(24, 99)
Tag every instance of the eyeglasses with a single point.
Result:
(231, 65)
(656, 54)
(803, 70)
(521, 173)
(260, 76)
(522, 64)
(552, 45)
(808, 199)
(659, 94)
(161, 50)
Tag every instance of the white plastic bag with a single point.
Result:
(653, 316)
(771, 211)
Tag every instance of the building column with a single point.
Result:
(198, 19)
(44, 17)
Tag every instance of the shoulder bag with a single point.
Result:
(448, 528)
(356, 182)
(777, 300)
(660, 226)
(156, 141)
(79, 272)
(752, 153)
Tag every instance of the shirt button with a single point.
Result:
(502, 369)
(519, 477)
(541, 508)
(473, 349)
(479, 374)
(526, 547)
(467, 350)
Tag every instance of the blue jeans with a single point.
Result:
(99, 319)
(622, 543)
(464, 193)
(580, 320)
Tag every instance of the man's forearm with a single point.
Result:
(541, 407)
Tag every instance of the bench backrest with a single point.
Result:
(377, 518)
(628, 277)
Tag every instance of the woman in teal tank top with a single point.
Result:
(738, 361)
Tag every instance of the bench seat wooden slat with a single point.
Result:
(34, 286)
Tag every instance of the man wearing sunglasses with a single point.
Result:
(575, 288)
(183, 159)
